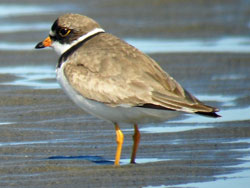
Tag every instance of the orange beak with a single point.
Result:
(46, 43)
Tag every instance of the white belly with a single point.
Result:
(118, 114)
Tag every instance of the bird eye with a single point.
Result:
(63, 32)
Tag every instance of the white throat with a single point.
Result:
(61, 48)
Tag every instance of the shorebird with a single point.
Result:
(114, 81)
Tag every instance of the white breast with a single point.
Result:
(120, 114)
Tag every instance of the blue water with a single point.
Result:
(234, 44)
(227, 44)
(241, 179)
(230, 44)
(15, 10)
(22, 27)
(31, 76)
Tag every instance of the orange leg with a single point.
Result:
(136, 139)
(119, 141)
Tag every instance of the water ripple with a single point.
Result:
(32, 76)
(149, 45)
(24, 27)
(224, 44)
(7, 10)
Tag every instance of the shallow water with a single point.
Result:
(35, 77)
(224, 44)
(230, 44)
(15, 10)
(147, 45)
(239, 179)
(44, 136)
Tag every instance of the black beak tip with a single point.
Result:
(39, 45)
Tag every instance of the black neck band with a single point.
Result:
(66, 54)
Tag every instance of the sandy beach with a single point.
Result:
(46, 141)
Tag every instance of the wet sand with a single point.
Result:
(46, 141)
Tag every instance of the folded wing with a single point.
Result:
(123, 76)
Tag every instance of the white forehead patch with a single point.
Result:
(51, 33)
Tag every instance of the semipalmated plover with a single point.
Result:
(113, 80)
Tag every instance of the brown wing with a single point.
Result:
(109, 70)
